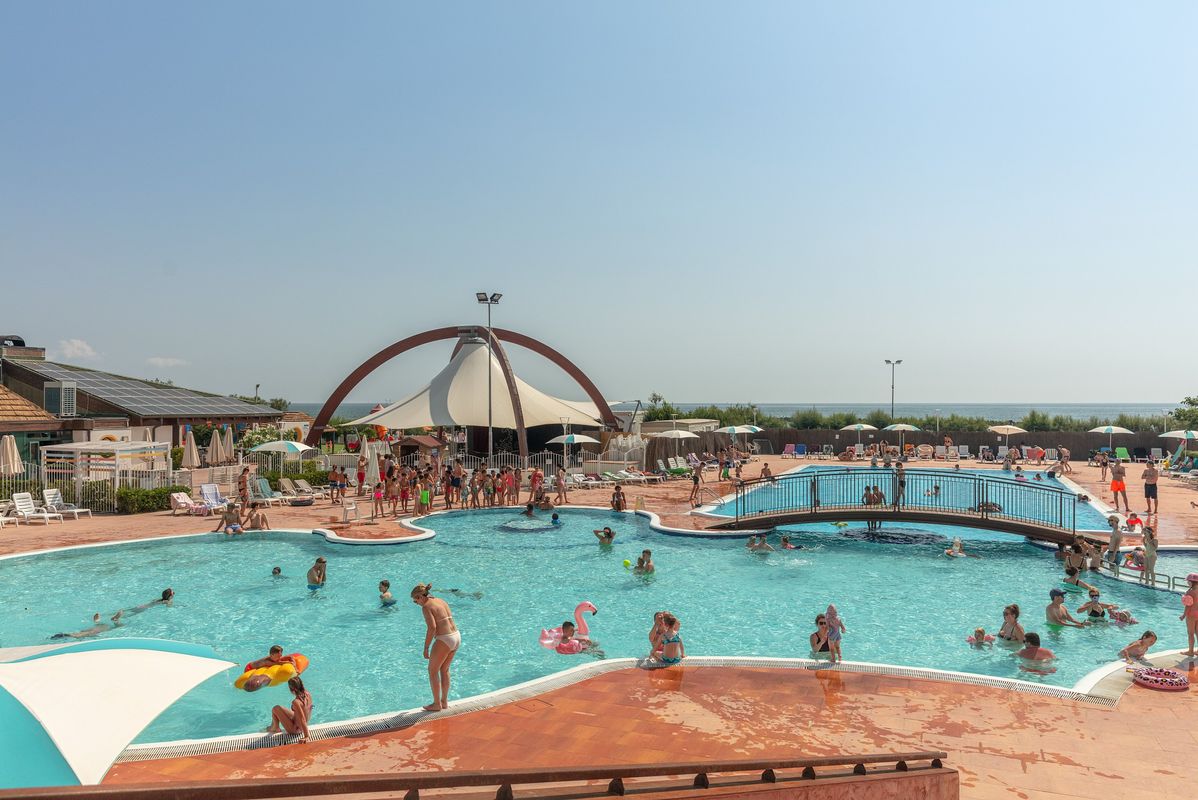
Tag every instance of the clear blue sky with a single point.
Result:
(714, 201)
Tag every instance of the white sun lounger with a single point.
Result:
(54, 502)
(24, 508)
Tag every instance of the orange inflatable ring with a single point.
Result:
(1165, 680)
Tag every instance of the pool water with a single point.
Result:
(1033, 504)
(902, 603)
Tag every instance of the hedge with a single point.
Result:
(130, 500)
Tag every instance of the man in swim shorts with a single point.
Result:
(1119, 484)
(230, 520)
(1150, 475)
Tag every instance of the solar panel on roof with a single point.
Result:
(143, 398)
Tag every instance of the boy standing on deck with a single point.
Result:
(1150, 476)
(1119, 484)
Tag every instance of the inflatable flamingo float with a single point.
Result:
(551, 638)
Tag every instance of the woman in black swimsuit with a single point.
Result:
(1095, 608)
(819, 639)
(1011, 630)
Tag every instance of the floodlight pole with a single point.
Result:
(489, 300)
(892, 364)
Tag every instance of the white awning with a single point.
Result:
(457, 396)
(92, 703)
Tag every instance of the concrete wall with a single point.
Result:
(1080, 444)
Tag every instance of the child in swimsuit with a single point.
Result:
(378, 510)
(1189, 601)
(835, 629)
(672, 649)
(1138, 650)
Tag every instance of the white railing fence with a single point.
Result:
(97, 490)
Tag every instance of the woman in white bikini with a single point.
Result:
(443, 638)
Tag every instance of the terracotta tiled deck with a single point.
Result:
(1005, 744)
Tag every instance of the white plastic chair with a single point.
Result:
(24, 509)
(54, 502)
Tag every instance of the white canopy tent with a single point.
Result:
(91, 703)
(457, 396)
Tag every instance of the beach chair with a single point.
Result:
(289, 490)
(828, 451)
(54, 502)
(23, 508)
(925, 451)
(800, 451)
(1156, 454)
(1052, 455)
(307, 488)
(181, 501)
(1122, 454)
(349, 507)
(1002, 452)
(963, 451)
(941, 452)
(627, 477)
(260, 492)
(210, 495)
(788, 451)
(1139, 453)
(597, 482)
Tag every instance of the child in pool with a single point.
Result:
(1138, 650)
(835, 629)
(786, 545)
(385, 596)
(569, 646)
(980, 638)
(555, 519)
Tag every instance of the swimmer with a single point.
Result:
(980, 638)
(168, 595)
(555, 519)
(275, 656)
(230, 521)
(1038, 477)
(568, 645)
(277, 572)
(1056, 613)
(1124, 617)
(1071, 578)
(1032, 650)
(528, 510)
(545, 504)
(786, 545)
(1095, 608)
(95, 630)
(836, 629)
(758, 544)
(958, 550)
(644, 564)
(385, 596)
(605, 536)
(1138, 650)
(318, 573)
(1011, 630)
(933, 492)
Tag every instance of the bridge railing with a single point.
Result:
(823, 492)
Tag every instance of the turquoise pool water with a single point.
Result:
(1036, 501)
(903, 603)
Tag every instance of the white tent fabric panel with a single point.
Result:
(92, 704)
(458, 396)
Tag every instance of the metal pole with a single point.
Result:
(490, 428)
(892, 366)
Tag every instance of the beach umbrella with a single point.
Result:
(676, 435)
(902, 428)
(191, 455)
(1006, 430)
(281, 446)
(10, 457)
(70, 710)
(227, 445)
(1110, 431)
(1189, 435)
(216, 450)
(567, 439)
(859, 426)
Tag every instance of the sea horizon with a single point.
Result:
(991, 411)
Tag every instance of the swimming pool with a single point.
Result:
(903, 604)
(1037, 501)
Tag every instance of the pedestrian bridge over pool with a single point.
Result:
(1036, 510)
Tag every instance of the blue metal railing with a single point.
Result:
(823, 492)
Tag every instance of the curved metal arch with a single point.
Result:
(439, 334)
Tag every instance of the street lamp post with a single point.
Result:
(892, 364)
(488, 301)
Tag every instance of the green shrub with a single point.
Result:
(130, 500)
(176, 458)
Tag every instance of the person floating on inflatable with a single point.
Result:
(274, 670)
(958, 550)
(571, 638)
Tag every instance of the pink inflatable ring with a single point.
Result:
(1165, 680)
